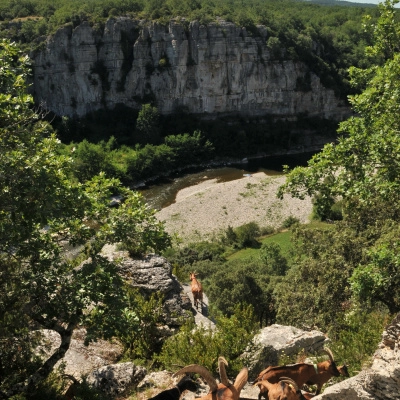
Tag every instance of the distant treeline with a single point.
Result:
(138, 146)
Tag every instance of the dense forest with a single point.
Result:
(342, 276)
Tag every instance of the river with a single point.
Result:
(162, 193)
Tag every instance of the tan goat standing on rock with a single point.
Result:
(197, 291)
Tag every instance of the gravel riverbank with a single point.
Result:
(202, 211)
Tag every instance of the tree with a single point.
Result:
(378, 279)
(43, 212)
(363, 167)
(147, 124)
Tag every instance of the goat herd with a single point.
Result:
(275, 383)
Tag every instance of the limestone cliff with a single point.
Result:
(219, 68)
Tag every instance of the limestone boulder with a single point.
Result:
(80, 359)
(116, 379)
(277, 341)
(150, 275)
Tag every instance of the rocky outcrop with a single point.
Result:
(214, 69)
(150, 275)
(116, 379)
(80, 359)
(379, 382)
(277, 341)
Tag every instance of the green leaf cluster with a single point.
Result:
(361, 171)
(49, 223)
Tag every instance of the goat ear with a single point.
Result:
(241, 379)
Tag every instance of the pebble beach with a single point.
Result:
(204, 210)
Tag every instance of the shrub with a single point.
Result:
(139, 325)
(357, 337)
(247, 235)
(203, 345)
(290, 221)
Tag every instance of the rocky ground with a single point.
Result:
(204, 210)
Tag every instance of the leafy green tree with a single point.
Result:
(270, 254)
(91, 159)
(377, 280)
(138, 325)
(43, 212)
(147, 124)
(362, 167)
(247, 235)
(192, 147)
(317, 284)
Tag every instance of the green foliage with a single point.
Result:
(194, 147)
(202, 345)
(150, 160)
(147, 124)
(91, 159)
(247, 235)
(138, 330)
(85, 391)
(275, 46)
(376, 280)
(270, 254)
(43, 212)
(289, 222)
(361, 169)
(359, 335)
(317, 284)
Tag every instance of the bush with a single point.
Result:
(358, 337)
(247, 235)
(203, 345)
(290, 221)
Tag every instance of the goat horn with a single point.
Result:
(289, 381)
(222, 371)
(241, 379)
(329, 352)
(267, 385)
(205, 374)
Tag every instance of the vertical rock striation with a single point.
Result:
(214, 69)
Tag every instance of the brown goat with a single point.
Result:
(325, 372)
(219, 391)
(300, 373)
(285, 389)
(197, 291)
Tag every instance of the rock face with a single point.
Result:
(117, 378)
(276, 341)
(153, 274)
(382, 380)
(80, 359)
(214, 69)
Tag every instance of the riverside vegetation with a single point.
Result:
(342, 277)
